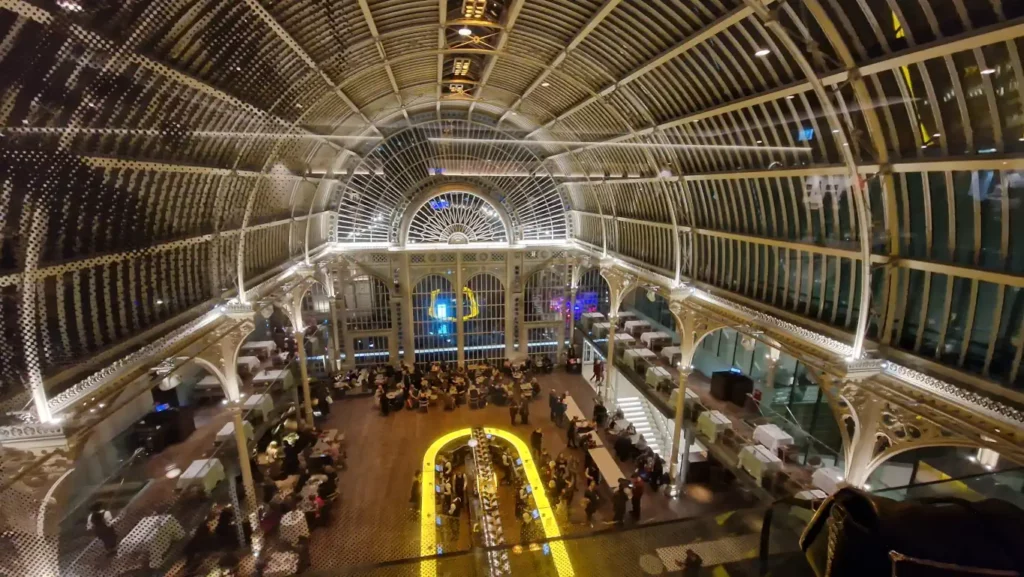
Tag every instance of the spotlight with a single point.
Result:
(464, 31)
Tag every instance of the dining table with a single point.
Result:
(206, 473)
(757, 460)
(672, 354)
(712, 423)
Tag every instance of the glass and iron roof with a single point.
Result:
(851, 166)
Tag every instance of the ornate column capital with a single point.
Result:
(619, 282)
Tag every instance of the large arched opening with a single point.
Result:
(483, 314)
(434, 319)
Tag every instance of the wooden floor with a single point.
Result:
(373, 521)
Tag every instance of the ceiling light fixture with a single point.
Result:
(988, 71)
(464, 31)
(545, 84)
(762, 53)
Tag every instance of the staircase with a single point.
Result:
(648, 422)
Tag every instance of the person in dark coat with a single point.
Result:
(552, 402)
(638, 493)
(591, 499)
(414, 494)
(560, 407)
(101, 523)
(570, 434)
(536, 441)
(657, 472)
(524, 412)
(619, 500)
(513, 410)
(460, 486)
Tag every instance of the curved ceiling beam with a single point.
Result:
(285, 37)
(511, 15)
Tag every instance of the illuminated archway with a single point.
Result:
(428, 505)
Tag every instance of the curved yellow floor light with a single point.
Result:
(428, 510)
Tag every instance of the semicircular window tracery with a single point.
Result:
(456, 218)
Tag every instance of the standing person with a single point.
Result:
(101, 523)
(460, 486)
(536, 441)
(570, 434)
(638, 493)
(552, 401)
(619, 500)
(513, 410)
(570, 488)
(560, 407)
(591, 499)
(414, 494)
(524, 412)
(657, 472)
(506, 468)
(598, 375)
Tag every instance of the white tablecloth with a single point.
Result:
(262, 404)
(251, 364)
(626, 316)
(632, 355)
(606, 464)
(588, 319)
(154, 535)
(601, 329)
(209, 382)
(270, 376)
(656, 336)
(670, 353)
(828, 479)
(758, 460)
(227, 432)
(573, 410)
(812, 495)
(293, 526)
(691, 396)
(711, 423)
(206, 472)
(631, 325)
(266, 347)
(624, 339)
(772, 436)
(656, 375)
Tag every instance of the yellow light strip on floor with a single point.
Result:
(428, 509)
(547, 516)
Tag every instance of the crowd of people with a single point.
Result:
(449, 386)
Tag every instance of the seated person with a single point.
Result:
(547, 365)
(623, 448)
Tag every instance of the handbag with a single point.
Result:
(857, 534)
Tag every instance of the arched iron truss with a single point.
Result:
(374, 200)
(157, 154)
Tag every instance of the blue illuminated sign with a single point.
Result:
(805, 135)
